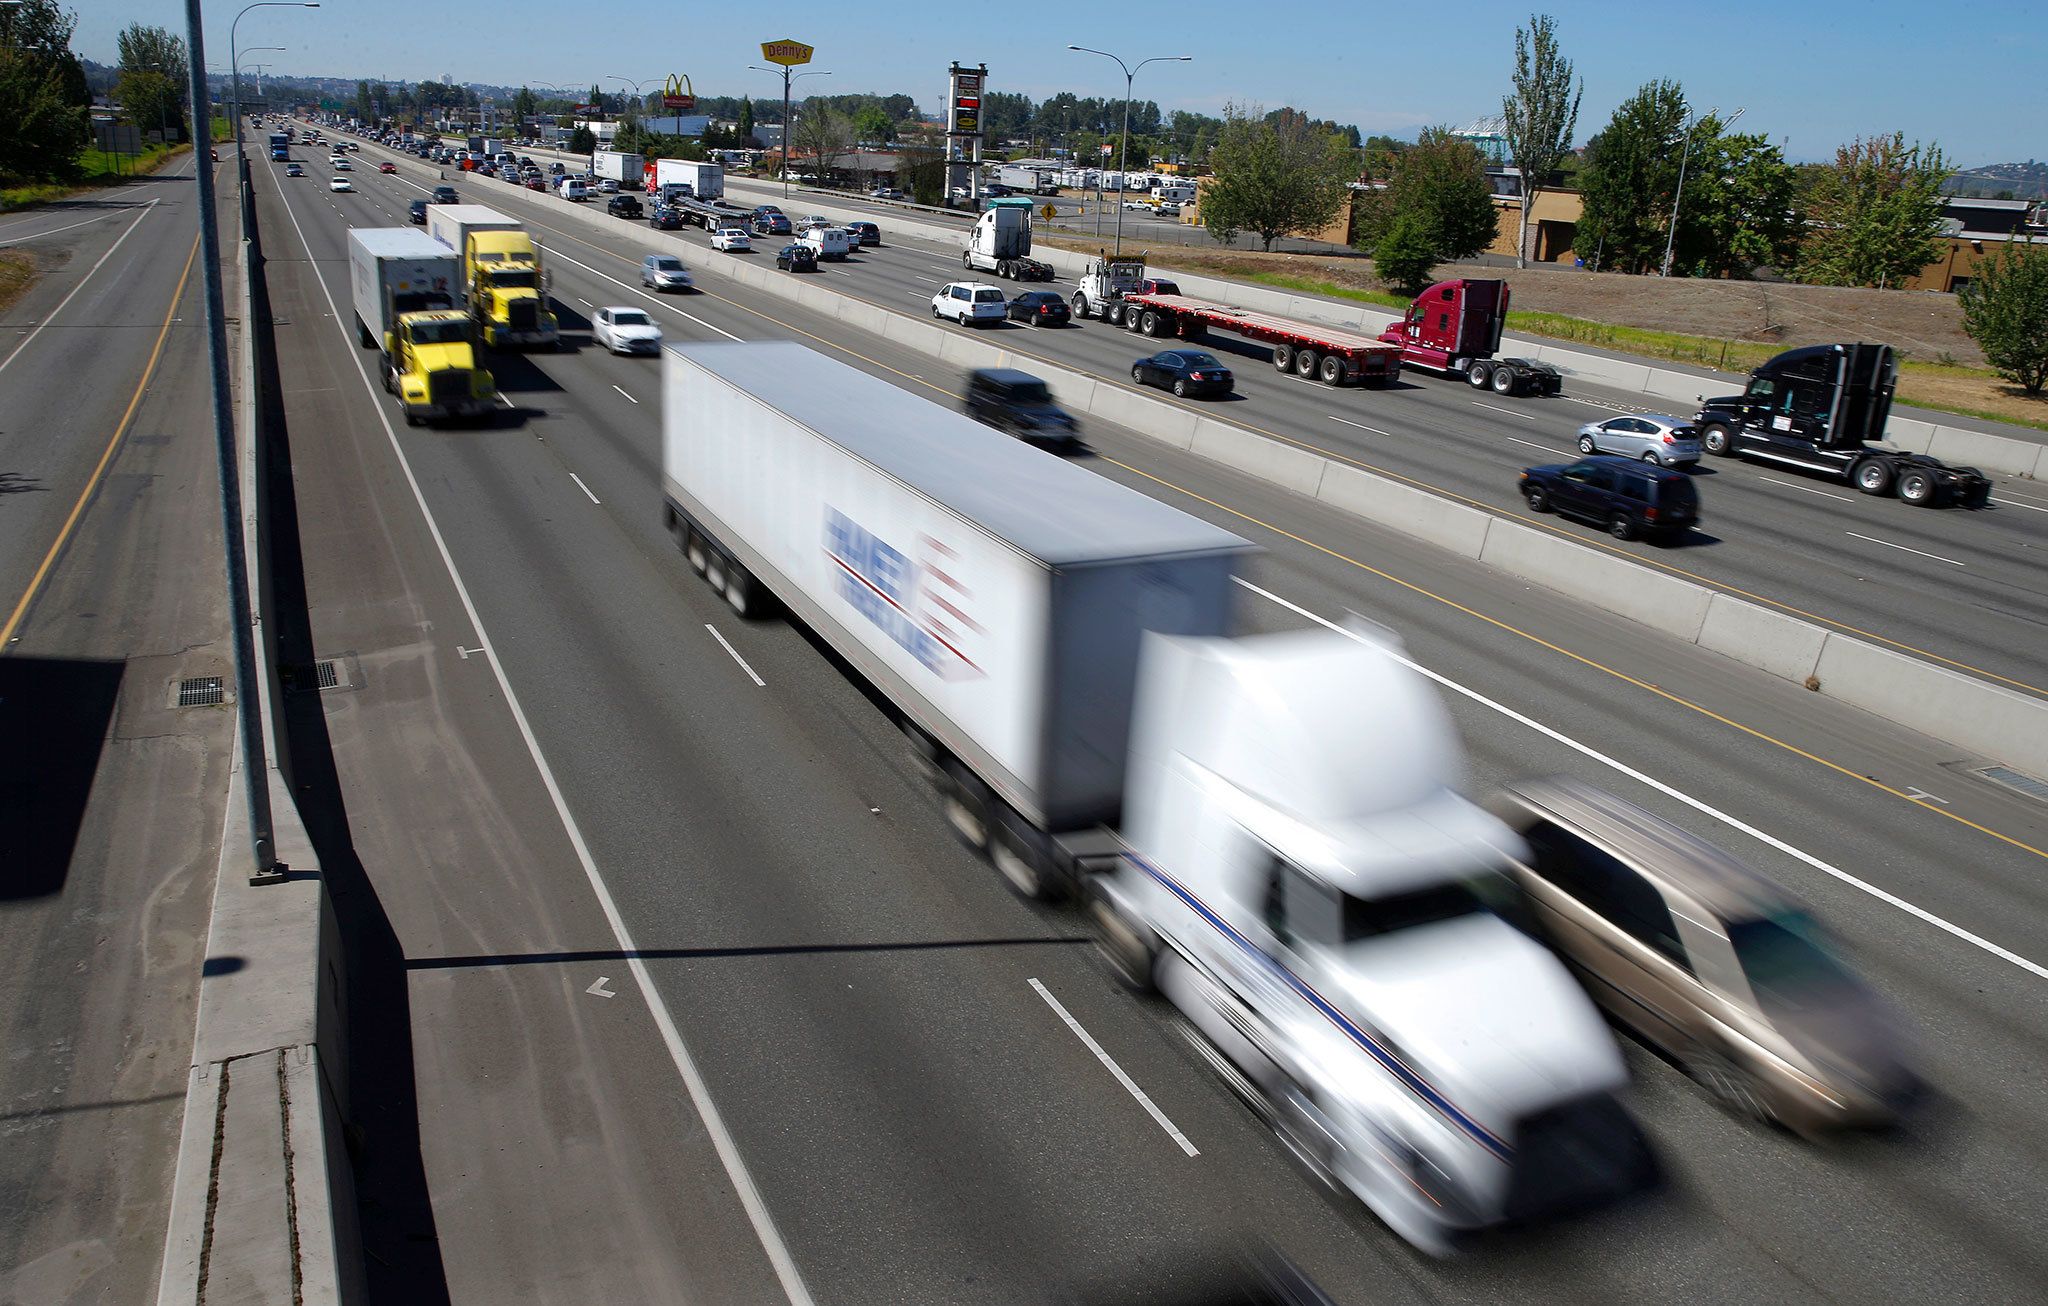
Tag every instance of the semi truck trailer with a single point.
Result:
(1266, 829)
(503, 284)
(621, 166)
(1823, 408)
(403, 285)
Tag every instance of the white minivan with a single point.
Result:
(572, 188)
(970, 303)
(830, 242)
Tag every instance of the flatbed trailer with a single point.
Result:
(1328, 354)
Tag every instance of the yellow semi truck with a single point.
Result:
(503, 284)
(404, 286)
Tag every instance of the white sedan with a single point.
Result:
(339, 182)
(731, 239)
(625, 331)
(340, 164)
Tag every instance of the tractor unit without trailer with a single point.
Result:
(1001, 243)
(1454, 327)
(1821, 408)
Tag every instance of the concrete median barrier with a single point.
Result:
(1269, 460)
(1989, 721)
(1427, 517)
(1765, 638)
(1605, 580)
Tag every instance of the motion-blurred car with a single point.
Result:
(1185, 372)
(625, 331)
(732, 240)
(664, 272)
(339, 182)
(416, 213)
(1707, 961)
(387, 167)
(340, 164)
(1017, 403)
(886, 193)
(1646, 437)
(445, 195)
(797, 258)
(1039, 308)
(1629, 498)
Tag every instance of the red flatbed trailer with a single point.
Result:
(1328, 354)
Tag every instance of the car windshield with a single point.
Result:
(668, 265)
(1366, 918)
(440, 333)
(1200, 360)
(630, 317)
(1787, 968)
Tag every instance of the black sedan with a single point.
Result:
(664, 218)
(623, 206)
(1185, 372)
(417, 213)
(1038, 308)
(797, 258)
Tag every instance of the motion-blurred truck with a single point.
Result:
(503, 284)
(403, 286)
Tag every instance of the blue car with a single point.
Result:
(1185, 372)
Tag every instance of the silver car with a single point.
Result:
(1648, 437)
(664, 272)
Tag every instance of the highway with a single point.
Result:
(110, 577)
(561, 750)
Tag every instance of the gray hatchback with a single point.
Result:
(1648, 437)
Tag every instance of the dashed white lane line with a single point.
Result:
(1533, 445)
(1903, 549)
(751, 673)
(1360, 425)
(586, 489)
(622, 391)
(1151, 1109)
(1675, 793)
(1772, 480)
(1527, 417)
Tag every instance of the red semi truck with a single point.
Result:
(1453, 328)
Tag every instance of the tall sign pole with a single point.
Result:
(786, 54)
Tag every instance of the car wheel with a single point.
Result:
(1538, 498)
(1732, 1086)
(1872, 476)
(1180, 389)
(1715, 438)
(935, 310)
(1138, 375)
(1917, 488)
(1479, 375)
(1586, 445)
(1650, 457)
(1621, 526)
(1503, 381)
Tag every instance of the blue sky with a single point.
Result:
(1811, 75)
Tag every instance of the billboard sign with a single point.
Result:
(678, 96)
(789, 54)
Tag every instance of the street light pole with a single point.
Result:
(1671, 233)
(234, 59)
(259, 49)
(1124, 161)
(788, 75)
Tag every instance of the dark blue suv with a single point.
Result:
(1627, 497)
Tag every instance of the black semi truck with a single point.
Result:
(1822, 409)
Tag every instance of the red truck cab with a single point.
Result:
(1454, 328)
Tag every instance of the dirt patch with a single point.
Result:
(18, 271)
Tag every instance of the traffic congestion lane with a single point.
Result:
(1883, 937)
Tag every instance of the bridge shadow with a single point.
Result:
(54, 716)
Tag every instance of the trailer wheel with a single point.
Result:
(1716, 440)
(1305, 361)
(1479, 376)
(740, 591)
(1331, 370)
(1283, 358)
(1122, 946)
(714, 570)
(967, 807)
(1134, 322)
(1872, 476)
(1503, 380)
(1917, 487)
(1114, 313)
(694, 549)
(1022, 862)
(1149, 323)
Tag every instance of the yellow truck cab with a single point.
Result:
(506, 292)
(432, 368)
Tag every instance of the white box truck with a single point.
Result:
(1026, 181)
(705, 180)
(622, 166)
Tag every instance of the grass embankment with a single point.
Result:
(97, 169)
(17, 273)
(1945, 387)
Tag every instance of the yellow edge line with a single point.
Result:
(1583, 660)
(92, 483)
(1580, 658)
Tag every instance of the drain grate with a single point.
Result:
(2017, 781)
(324, 675)
(202, 691)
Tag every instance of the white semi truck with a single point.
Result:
(622, 166)
(1001, 243)
(1268, 826)
(705, 180)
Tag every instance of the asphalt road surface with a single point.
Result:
(854, 993)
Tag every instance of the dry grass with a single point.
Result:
(18, 271)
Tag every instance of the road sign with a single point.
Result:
(1047, 212)
(788, 53)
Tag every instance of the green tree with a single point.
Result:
(1539, 117)
(1875, 214)
(582, 141)
(1741, 207)
(1406, 255)
(822, 133)
(922, 170)
(872, 123)
(746, 120)
(524, 104)
(1275, 173)
(2005, 310)
(1630, 172)
(1440, 183)
(152, 80)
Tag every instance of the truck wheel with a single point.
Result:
(1080, 306)
(1503, 381)
(1331, 370)
(967, 807)
(1872, 476)
(1122, 946)
(1149, 323)
(1716, 440)
(1283, 358)
(1114, 314)
(1305, 361)
(967, 261)
(1917, 487)
(695, 550)
(714, 571)
(742, 595)
(1134, 322)
(1478, 376)
(1021, 863)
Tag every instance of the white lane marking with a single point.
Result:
(1770, 480)
(1533, 445)
(686, 1066)
(622, 391)
(932, 281)
(2013, 501)
(1903, 549)
(652, 299)
(586, 303)
(1732, 822)
(1158, 1116)
(1527, 417)
(38, 235)
(1360, 425)
(581, 486)
(599, 988)
(52, 315)
(735, 655)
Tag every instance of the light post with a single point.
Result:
(259, 49)
(1124, 161)
(1671, 234)
(788, 76)
(234, 59)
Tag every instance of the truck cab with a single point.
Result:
(1106, 281)
(508, 290)
(430, 364)
(1454, 328)
(1299, 877)
(1001, 243)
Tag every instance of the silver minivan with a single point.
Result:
(1648, 437)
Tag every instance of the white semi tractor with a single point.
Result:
(1267, 828)
(1001, 243)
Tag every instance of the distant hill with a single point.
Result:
(2022, 181)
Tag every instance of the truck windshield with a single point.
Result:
(1366, 918)
(440, 333)
(522, 279)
